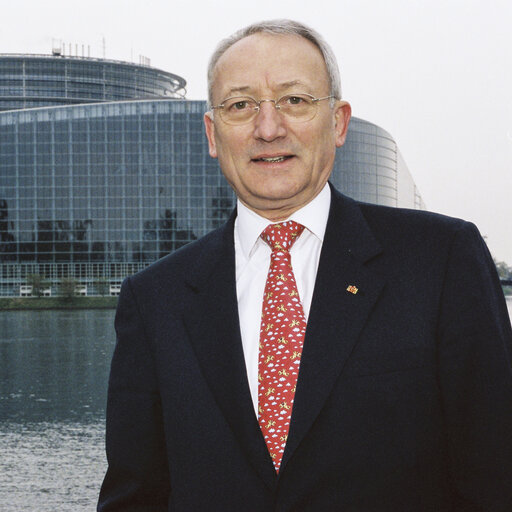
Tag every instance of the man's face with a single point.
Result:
(275, 165)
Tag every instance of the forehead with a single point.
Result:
(266, 62)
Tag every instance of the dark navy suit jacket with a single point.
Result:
(404, 397)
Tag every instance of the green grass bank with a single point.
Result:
(28, 303)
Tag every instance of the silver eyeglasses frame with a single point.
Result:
(257, 103)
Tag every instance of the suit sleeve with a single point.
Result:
(475, 377)
(137, 478)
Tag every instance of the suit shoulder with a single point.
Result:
(421, 235)
(407, 222)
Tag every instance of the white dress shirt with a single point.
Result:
(252, 263)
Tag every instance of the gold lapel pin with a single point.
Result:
(352, 289)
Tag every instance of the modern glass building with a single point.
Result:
(97, 191)
(28, 81)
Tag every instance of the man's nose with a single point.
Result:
(269, 123)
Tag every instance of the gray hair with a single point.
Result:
(280, 27)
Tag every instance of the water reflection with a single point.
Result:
(54, 365)
(51, 467)
(54, 372)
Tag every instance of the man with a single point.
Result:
(351, 358)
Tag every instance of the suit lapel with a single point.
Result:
(215, 336)
(337, 315)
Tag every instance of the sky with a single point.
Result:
(436, 74)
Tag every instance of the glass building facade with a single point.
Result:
(97, 191)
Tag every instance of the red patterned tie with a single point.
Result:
(281, 339)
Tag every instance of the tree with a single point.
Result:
(38, 284)
(102, 286)
(67, 287)
(222, 206)
(505, 273)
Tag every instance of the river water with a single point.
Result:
(54, 371)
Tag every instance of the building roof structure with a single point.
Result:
(28, 81)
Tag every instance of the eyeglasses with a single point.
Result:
(295, 107)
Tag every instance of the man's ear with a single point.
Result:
(342, 113)
(210, 134)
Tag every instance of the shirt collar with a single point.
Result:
(312, 216)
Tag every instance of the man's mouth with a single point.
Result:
(272, 159)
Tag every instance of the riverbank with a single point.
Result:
(25, 303)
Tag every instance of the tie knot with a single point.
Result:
(282, 236)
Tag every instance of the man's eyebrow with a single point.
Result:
(291, 83)
(246, 89)
(237, 89)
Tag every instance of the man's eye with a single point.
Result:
(295, 100)
(240, 105)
